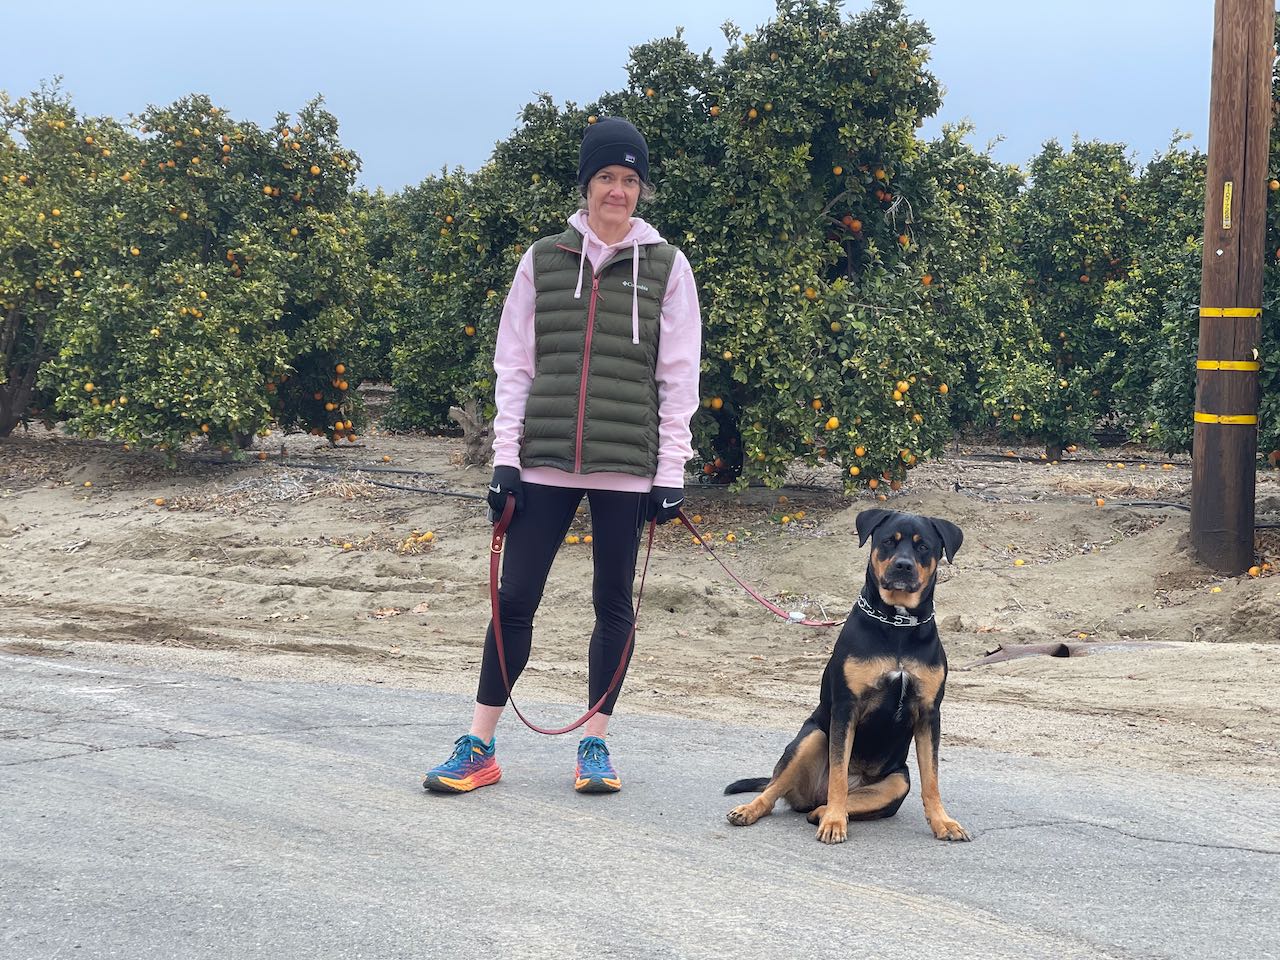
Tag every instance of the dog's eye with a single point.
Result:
(922, 547)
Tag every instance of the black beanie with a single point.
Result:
(612, 140)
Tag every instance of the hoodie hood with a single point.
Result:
(599, 253)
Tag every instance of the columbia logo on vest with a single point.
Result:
(639, 286)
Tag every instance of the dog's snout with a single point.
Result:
(903, 565)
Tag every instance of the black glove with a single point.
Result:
(505, 480)
(665, 503)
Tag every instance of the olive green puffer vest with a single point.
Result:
(593, 405)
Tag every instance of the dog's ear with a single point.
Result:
(952, 536)
(868, 520)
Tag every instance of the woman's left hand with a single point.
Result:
(665, 503)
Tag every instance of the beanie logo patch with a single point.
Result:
(629, 157)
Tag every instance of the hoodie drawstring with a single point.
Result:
(635, 291)
(582, 259)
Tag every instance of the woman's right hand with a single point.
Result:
(506, 480)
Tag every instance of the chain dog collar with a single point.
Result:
(898, 620)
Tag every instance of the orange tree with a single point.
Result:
(1072, 234)
(973, 288)
(1151, 311)
(223, 292)
(785, 172)
(57, 179)
(381, 292)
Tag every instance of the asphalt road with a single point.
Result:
(158, 815)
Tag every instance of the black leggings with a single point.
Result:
(532, 540)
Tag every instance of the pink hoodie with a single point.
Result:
(679, 358)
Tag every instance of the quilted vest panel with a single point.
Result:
(593, 405)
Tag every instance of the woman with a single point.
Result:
(597, 364)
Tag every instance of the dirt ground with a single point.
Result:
(278, 570)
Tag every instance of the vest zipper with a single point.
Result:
(586, 364)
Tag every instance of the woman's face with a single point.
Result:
(612, 195)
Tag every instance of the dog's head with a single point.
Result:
(905, 552)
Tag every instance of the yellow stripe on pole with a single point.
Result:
(1230, 311)
(1246, 365)
(1226, 418)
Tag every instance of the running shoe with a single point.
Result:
(594, 773)
(472, 765)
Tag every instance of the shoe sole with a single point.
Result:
(597, 785)
(438, 784)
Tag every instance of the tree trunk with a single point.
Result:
(477, 435)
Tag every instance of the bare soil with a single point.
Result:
(277, 570)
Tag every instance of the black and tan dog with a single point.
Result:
(882, 687)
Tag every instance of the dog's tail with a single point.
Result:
(749, 785)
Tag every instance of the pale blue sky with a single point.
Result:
(418, 86)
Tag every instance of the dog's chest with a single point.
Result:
(900, 684)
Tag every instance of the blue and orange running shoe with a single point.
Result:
(594, 773)
(472, 765)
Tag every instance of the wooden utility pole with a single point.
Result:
(1226, 429)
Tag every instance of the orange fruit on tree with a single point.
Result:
(859, 451)
(837, 170)
(752, 114)
(817, 404)
(315, 171)
(714, 111)
(716, 403)
(927, 279)
(854, 471)
(833, 423)
(873, 483)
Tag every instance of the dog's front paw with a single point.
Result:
(743, 815)
(948, 829)
(833, 828)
